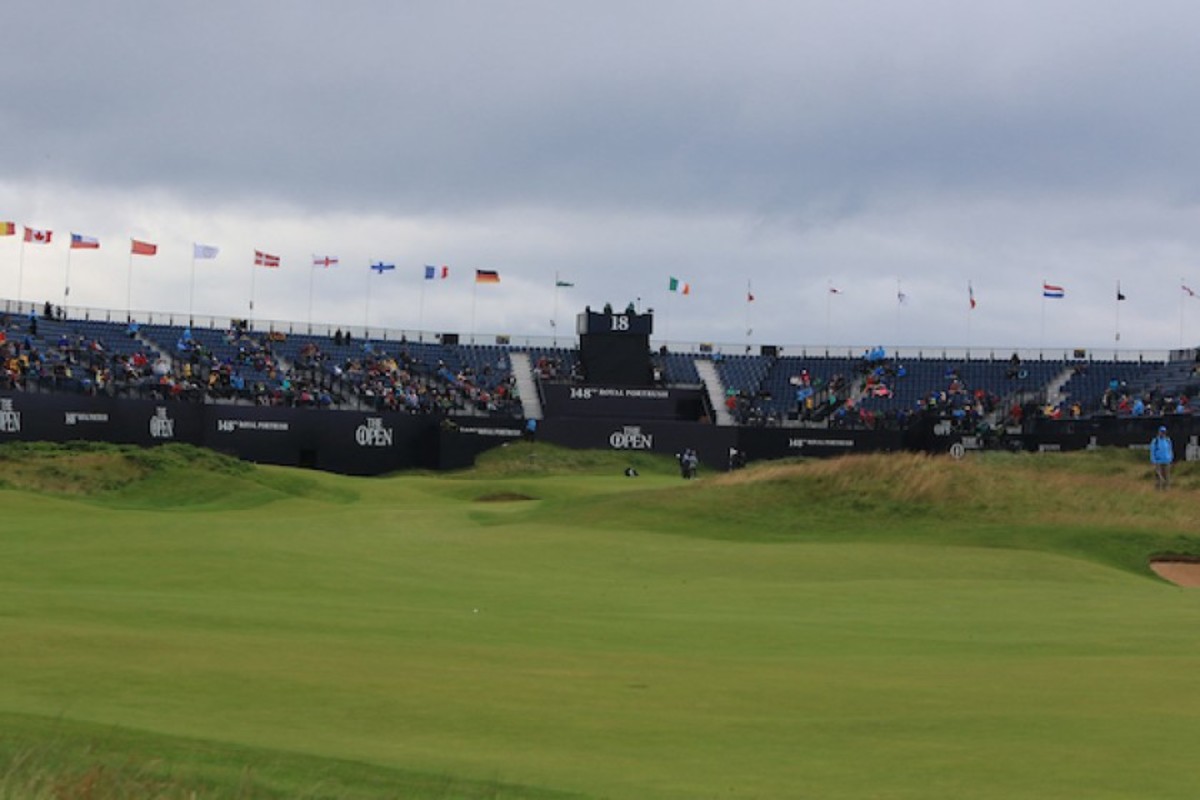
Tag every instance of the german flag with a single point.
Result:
(487, 276)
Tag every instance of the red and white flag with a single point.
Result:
(262, 259)
(38, 237)
(323, 261)
(143, 248)
(81, 242)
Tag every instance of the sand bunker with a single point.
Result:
(1181, 573)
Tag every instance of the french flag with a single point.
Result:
(1052, 291)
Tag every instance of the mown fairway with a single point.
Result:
(893, 627)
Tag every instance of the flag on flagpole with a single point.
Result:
(430, 272)
(325, 261)
(749, 296)
(1052, 291)
(381, 267)
(834, 290)
(563, 284)
(139, 248)
(204, 251)
(8, 228)
(673, 284)
(79, 242)
(445, 272)
(1189, 292)
(38, 237)
(487, 276)
(1120, 294)
(262, 259)
(971, 295)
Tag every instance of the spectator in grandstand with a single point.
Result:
(1162, 455)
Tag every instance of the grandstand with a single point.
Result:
(495, 386)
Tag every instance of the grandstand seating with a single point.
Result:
(232, 365)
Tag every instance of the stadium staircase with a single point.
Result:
(1054, 389)
(531, 401)
(707, 371)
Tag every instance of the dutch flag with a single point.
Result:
(1052, 291)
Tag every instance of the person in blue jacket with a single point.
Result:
(1162, 454)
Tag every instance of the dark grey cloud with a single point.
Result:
(810, 139)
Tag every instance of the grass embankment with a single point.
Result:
(891, 626)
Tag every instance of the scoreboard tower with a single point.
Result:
(614, 347)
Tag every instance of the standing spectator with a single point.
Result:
(1162, 454)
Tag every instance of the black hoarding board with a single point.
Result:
(770, 443)
(627, 402)
(661, 437)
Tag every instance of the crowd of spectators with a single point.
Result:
(244, 367)
(239, 365)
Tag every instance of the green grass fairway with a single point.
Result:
(177, 625)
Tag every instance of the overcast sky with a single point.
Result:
(878, 148)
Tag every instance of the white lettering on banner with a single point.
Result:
(10, 420)
(372, 433)
(162, 426)
(799, 444)
(231, 425)
(510, 432)
(590, 392)
(631, 438)
(74, 417)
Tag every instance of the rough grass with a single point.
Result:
(67, 760)
(531, 459)
(167, 476)
(1098, 505)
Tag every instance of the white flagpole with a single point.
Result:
(21, 271)
(67, 277)
(474, 290)
(970, 300)
(192, 289)
(1117, 338)
(129, 285)
(421, 308)
(1181, 284)
(252, 274)
(554, 319)
(828, 313)
(749, 304)
(1042, 336)
(367, 306)
(311, 275)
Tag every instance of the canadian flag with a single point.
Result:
(262, 259)
(38, 237)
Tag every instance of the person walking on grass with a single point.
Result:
(1162, 454)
